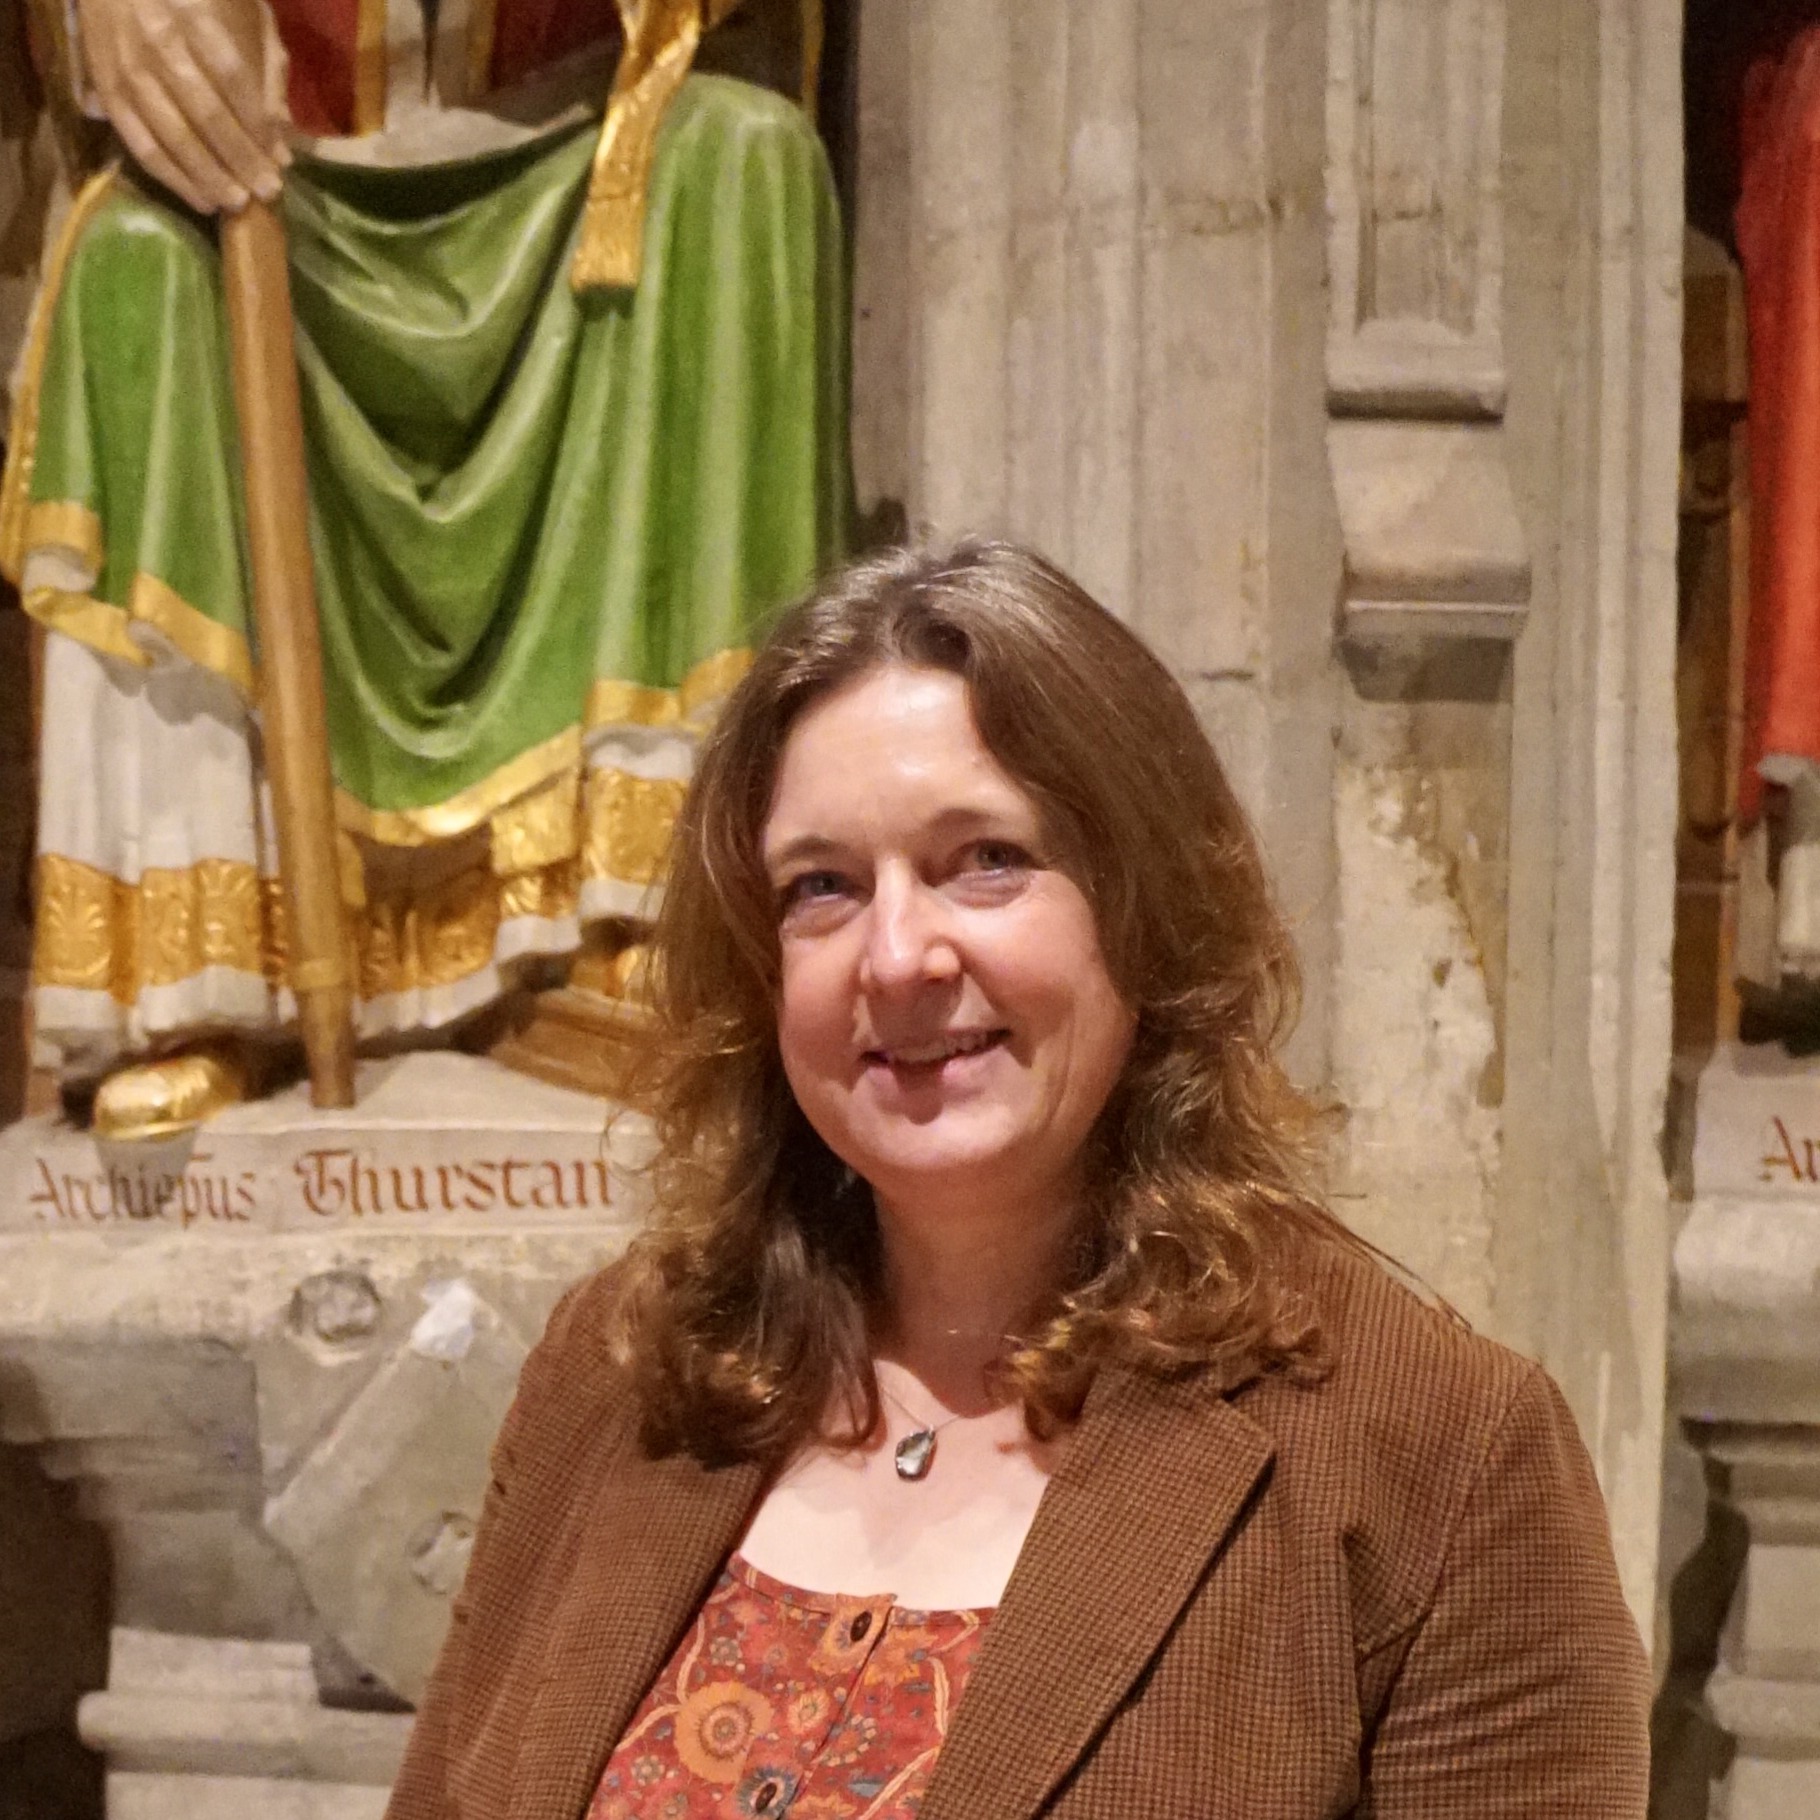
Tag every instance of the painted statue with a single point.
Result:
(573, 432)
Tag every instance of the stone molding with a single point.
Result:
(1747, 1384)
(281, 1418)
(1416, 380)
(204, 1728)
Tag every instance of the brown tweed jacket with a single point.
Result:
(1389, 1595)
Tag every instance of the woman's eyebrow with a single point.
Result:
(958, 818)
(801, 847)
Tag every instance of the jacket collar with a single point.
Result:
(644, 1556)
(1153, 1481)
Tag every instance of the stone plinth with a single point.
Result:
(272, 1356)
(197, 1728)
(1747, 1384)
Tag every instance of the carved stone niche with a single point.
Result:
(1415, 360)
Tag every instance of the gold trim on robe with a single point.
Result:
(623, 704)
(89, 621)
(107, 628)
(16, 482)
(466, 808)
(627, 824)
(370, 67)
(69, 525)
(202, 640)
(483, 23)
(98, 933)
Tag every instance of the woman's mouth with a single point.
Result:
(935, 1051)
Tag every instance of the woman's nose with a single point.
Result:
(908, 942)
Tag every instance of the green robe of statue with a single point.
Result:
(546, 531)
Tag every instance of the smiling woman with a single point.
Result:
(992, 1338)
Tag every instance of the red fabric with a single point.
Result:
(778, 1700)
(320, 36)
(530, 35)
(1778, 224)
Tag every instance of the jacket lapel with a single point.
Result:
(643, 1561)
(1153, 1482)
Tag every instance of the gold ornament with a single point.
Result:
(162, 1098)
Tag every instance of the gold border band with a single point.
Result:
(22, 451)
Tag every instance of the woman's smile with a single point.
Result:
(946, 1017)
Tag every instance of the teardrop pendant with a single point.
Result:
(914, 1454)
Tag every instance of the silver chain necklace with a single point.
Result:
(915, 1453)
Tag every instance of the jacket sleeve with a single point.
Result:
(1524, 1689)
(421, 1791)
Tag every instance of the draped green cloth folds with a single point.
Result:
(522, 502)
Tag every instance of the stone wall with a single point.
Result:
(1334, 343)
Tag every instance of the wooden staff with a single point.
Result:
(258, 286)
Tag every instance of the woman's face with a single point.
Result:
(946, 1018)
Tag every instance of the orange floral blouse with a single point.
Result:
(783, 1702)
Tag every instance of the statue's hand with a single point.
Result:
(195, 89)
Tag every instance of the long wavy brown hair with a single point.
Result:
(748, 1301)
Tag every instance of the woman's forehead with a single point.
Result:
(896, 747)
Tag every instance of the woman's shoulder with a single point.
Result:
(1409, 1385)
(1400, 1355)
(572, 1376)
(1419, 1431)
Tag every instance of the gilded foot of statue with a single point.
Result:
(173, 1094)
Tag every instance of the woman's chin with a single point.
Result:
(945, 1154)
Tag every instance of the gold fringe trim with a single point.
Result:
(370, 67)
(623, 704)
(661, 40)
(627, 824)
(22, 450)
(106, 628)
(98, 933)
(539, 829)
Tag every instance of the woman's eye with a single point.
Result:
(998, 856)
(811, 887)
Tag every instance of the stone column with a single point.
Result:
(1089, 242)
(1335, 344)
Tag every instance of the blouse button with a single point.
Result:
(856, 1632)
(763, 1796)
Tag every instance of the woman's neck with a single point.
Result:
(955, 1290)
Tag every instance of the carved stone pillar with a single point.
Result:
(1088, 245)
(1747, 1383)
(1416, 375)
